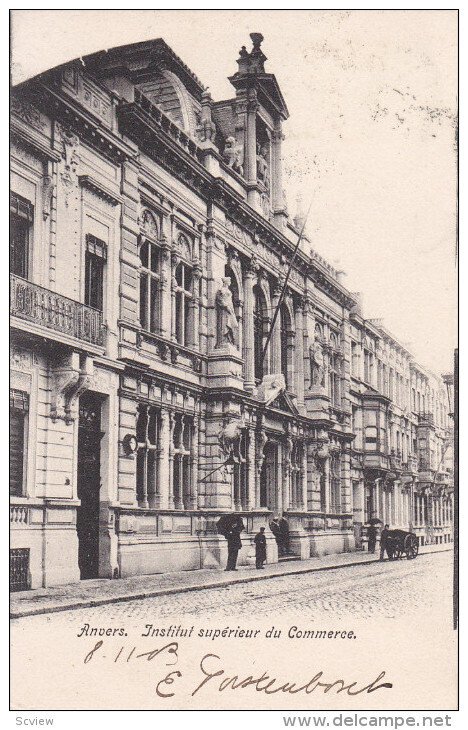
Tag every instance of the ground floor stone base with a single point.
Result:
(52, 555)
(163, 555)
(331, 543)
(52, 551)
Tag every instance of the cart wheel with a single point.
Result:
(411, 546)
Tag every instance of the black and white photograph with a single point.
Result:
(233, 366)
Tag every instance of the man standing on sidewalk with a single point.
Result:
(260, 548)
(372, 538)
(383, 542)
(234, 545)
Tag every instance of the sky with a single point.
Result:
(370, 142)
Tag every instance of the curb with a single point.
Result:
(187, 589)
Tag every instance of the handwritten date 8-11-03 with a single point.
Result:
(214, 674)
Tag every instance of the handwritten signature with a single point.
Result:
(214, 674)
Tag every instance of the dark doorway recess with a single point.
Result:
(89, 482)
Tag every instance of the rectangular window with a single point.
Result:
(379, 376)
(183, 316)
(366, 366)
(182, 472)
(354, 359)
(240, 476)
(335, 485)
(147, 433)
(19, 407)
(371, 437)
(383, 440)
(21, 223)
(95, 259)
(150, 286)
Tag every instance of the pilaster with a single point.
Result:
(163, 459)
(249, 351)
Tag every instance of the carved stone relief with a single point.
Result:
(69, 380)
(28, 113)
(70, 155)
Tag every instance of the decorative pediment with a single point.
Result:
(284, 402)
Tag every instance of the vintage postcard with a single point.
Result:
(233, 248)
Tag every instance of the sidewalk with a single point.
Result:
(104, 590)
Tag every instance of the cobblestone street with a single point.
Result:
(384, 590)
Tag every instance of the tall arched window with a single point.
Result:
(259, 332)
(181, 472)
(335, 484)
(150, 273)
(147, 433)
(335, 367)
(239, 476)
(296, 474)
(228, 272)
(183, 295)
(286, 336)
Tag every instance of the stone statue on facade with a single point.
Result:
(263, 168)
(226, 320)
(229, 440)
(317, 364)
(233, 155)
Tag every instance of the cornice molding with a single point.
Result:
(88, 127)
(154, 133)
(20, 134)
(103, 192)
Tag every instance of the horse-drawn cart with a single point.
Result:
(399, 543)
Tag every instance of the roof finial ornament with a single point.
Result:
(253, 62)
(257, 39)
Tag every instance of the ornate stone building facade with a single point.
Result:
(150, 246)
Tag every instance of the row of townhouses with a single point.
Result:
(150, 243)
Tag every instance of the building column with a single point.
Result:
(250, 469)
(286, 450)
(377, 499)
(359, 502)
(194, 465)
(195, 307)
(163, 461)
(326, 479)
(166, 287)
(299, 353)
(276, 176)
(345, 482)
(250, 156)
(275, 366)
(174, 261)
(249, 351)
(170, 500)
(304, 504)
(260, 443)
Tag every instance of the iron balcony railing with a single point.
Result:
(53, 311)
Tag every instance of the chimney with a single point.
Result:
(358, 307)
(299, 218)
